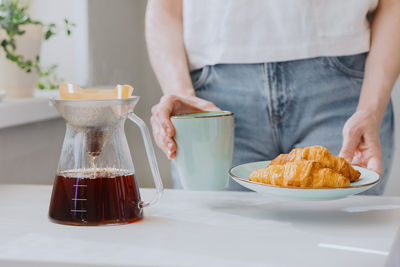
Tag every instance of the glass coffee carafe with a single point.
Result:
(95, 182)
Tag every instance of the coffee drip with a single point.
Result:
(95, 140)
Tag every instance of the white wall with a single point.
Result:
(69, 52)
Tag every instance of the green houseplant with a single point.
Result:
(20, 34)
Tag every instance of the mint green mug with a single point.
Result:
(204, 149)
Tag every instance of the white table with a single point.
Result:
(203, 229)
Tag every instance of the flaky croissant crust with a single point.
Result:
(313, 167)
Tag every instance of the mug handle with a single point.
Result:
(151, 158)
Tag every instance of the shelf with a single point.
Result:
(14, 112)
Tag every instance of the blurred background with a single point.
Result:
(106, 48)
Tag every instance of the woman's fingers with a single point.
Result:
(166, 143)
(165, 123)
(163, 141)
(163, 129)
(165, 111)
(373, 152)
(369, 157)
(162, 116)
(375, 164)
(361, 144)
(357, 159)
(351, 140)
(206, 105)
(156, 133)
(173, 105)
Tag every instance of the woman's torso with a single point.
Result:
(242, 31)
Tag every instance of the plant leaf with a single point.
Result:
(48, 35)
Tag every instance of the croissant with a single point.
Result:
(280, 160)
(321, 155)
(303, 173)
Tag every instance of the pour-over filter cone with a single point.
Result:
(94, 113)
(96, 118)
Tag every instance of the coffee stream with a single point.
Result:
(93, 164)
(95, 140)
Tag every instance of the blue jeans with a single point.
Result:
(284, 105)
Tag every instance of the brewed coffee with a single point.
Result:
(87, 197)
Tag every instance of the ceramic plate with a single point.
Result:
(242, 172)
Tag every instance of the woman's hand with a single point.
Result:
(361, 145)
(170, 105)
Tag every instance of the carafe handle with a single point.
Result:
(151, 157)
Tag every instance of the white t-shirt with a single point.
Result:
(254, 31)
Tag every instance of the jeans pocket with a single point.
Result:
(200, 77)
(350, 65)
